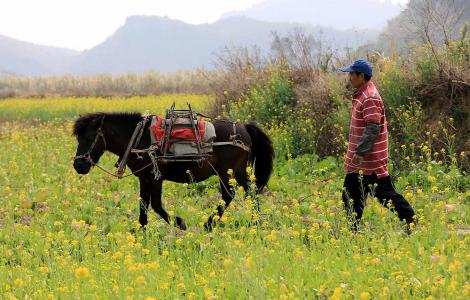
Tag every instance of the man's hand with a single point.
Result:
(357, 159)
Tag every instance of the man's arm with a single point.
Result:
(368, 139)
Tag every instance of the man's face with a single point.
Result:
(357, 80)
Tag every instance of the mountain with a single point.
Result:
(23, 58)
(341, 14)
(146, 43)
(155, 43)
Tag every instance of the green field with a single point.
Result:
(65, 236)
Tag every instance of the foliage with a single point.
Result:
(69, 236)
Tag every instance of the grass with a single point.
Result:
(68, 236)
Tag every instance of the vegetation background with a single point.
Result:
(67, 236)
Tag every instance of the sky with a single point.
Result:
(82, 24)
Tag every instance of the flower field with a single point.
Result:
(66, 236)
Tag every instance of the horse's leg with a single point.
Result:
(242, 178)
(227, 195)
(156, 200)
(144, 202)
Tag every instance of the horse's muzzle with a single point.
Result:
(81, 166)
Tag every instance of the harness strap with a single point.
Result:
(134, 141)
(236, 143)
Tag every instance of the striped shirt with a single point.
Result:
(367, 106)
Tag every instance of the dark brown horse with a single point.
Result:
(100, 132)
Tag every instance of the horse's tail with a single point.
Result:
(262, 154)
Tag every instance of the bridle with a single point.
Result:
(99, 133)
(87, 155)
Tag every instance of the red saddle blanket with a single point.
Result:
(185, 134)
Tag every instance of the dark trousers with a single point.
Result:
(355, 191)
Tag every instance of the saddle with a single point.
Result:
(179, 137)
(181, 134)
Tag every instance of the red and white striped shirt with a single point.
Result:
(367, 106)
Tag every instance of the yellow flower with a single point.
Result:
(376, 261)
(364, 295)
(181, 285)
(227, 262)
(18, 282)
(295, 202)
(336, 294)
(117, 255)
(164, 286)
(208, 293)
(271, 236)
(248, 262)
(82, 272)
(153, 265)
(140, 280)
(454, 266)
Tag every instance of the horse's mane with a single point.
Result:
(83, 122)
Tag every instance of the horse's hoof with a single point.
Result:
(180, 223)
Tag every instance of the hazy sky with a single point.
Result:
(82, 24)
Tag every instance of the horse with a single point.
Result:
(99, 132)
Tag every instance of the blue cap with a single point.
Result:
(360, 65)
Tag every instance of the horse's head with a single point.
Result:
(91, 141)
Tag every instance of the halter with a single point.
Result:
(99, 133)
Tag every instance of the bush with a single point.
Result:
(269, 101)
(394, 84)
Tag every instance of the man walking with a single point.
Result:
(366, 159)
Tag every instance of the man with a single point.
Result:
(366, 159)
